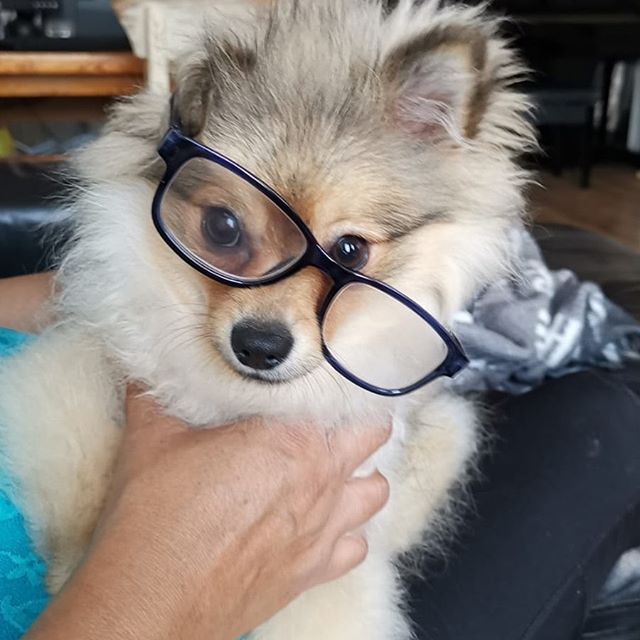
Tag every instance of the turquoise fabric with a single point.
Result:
(22, 591)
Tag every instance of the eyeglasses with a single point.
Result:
(233, 228)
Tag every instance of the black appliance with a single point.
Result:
(60, 25)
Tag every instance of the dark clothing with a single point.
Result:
(558, 503)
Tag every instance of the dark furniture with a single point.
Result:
(29, 206)
(60, 25)
(572, 46)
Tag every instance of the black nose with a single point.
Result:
(261, 345)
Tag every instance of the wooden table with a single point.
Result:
(66, 74)
(53, 86)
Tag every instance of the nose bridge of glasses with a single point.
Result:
(336, 275)
(317, 257)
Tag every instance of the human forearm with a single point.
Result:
(25, 302)
(133, 600)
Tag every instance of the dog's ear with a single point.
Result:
(192, 97)
(201, 82)
(437, 82)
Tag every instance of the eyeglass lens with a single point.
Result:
(380, 340)
(228, 224)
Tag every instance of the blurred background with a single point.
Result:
(63, 61)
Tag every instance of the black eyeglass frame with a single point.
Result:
(176, 149)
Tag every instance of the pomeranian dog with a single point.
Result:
(336, 179)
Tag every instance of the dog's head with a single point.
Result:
(393, 135)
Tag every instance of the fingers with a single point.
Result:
(361, 499)
(351, 447)
(349, 551)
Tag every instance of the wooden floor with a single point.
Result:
(610, 206)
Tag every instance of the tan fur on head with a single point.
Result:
(402, 127)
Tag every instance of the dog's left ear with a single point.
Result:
(437, 83)
(201, 81)
(192, 96)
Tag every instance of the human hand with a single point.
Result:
(207, 533)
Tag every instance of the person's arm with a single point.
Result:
(25, 302)
(207, 533)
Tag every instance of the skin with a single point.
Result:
(207, 533)
(25, 302)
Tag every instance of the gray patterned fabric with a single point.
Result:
(540, 324)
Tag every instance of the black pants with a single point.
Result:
(558, 502)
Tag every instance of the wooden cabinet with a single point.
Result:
(48, 74)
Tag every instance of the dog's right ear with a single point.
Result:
(437, 82)
(201, 81)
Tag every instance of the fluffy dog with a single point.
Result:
(399, 126)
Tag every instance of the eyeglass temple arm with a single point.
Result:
(174, 119)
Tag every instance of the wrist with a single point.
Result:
(127, 593)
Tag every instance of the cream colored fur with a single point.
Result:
(131, 310)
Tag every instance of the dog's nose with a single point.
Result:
(261, 345)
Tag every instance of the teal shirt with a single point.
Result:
(22, 572)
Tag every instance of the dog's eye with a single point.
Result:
(351, 252)
(220, 227)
